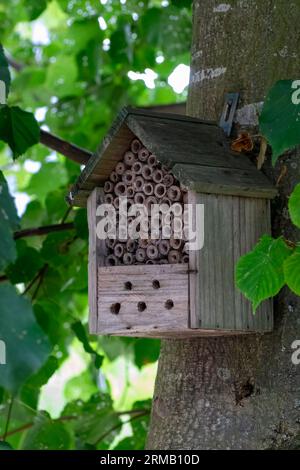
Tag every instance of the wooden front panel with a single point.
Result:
(232, 226)
(147, 300)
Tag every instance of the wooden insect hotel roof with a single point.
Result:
(196, 151)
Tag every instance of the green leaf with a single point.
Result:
(61, 77)
(31, 389)
(81, 225)
(97, 422)
(292, 271)
(9, 221)
(146, 351)
(28, 263)
(5, 446)
(279, 120)
(50, 177)
(47, 434)
(4, 73)
(18, 129)
(35, 8)
(294, 206)
(27, 348)
(259, 274)
(139, 428)
(80, 332)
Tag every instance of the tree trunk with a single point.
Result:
(237, 392)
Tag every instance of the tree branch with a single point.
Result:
(71, 151)
(30, 232)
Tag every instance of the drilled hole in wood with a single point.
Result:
(156, 284)
(128, 285)
(141, 306)
(115, 308)
(169, 304)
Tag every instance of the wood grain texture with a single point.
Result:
(155, 318)
(97, 252)
(175, 140)
(232, 226)
(236, 182)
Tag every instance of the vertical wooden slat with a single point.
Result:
(97, 252)
(194, 300)
(233, 225)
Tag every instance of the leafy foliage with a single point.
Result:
(279, 120)
(71, 73)
(19, 129)
(27, 346)
(292, 271)
(259, 274)
(4, 70)
(294, 206)
(8, 223)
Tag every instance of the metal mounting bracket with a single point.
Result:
(229, 109)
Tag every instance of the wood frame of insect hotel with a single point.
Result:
(153, 288)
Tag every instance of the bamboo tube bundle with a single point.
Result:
(130, 158)
(113, 177)
(148, 189)
(139, 198)
(152, 160)
(143, 154)
(136, 146)
(174, 193)
(116, 203)
(164, 247)
(149, 201)
(131, 245)
(119, 250)
(174, 256)
(139, 178)
(130, 192)
(147, 172)
(152, 252)
(168, 180)
(138, 183)
(110, 243)
(111, 260)
(128, 258)
(109, 198)
(120, 168)
(140, 254)
(120, 189)
(143, 242)
(128, 177)
(157, 176)
(137, 168)
(176, 243)
(185, 258)
(108, 186)
(160, 190)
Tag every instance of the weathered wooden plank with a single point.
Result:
(175, 139)
(142, 307)
(97, 252)
(176, 142)
(204, 179)
(233, 225)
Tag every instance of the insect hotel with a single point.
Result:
(159, 287)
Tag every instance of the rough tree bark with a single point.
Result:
(238, 392)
